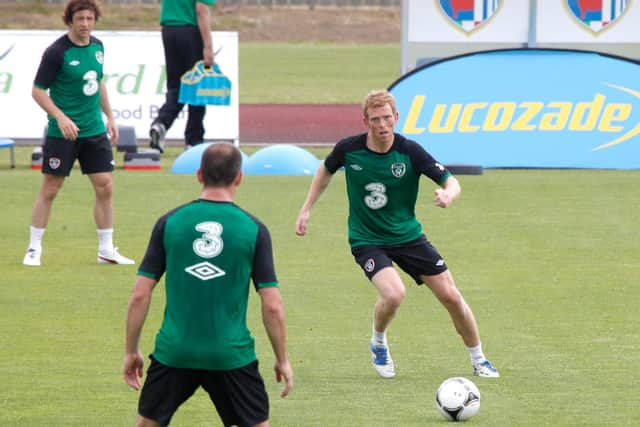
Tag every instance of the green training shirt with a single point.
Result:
(383, 188)
(181, 12)
(72, 74)
(210, 252)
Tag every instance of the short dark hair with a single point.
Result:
(74, 6)
(220, 164)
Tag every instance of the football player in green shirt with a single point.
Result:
(69, 88)
(382, 171)
(209, 250)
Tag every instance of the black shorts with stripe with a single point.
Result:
(416, 258)
(239, 395)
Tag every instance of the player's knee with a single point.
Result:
(104, 190)
(395, 297)
(50, 190)
(452, 299)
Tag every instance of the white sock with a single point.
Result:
(105, 240)
(379, 338)
(476, 354)
(35, 238)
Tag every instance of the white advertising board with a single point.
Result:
(135, 77)
(588, 21)
(433, 29)
(468, 20)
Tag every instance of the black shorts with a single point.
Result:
(416, 258)
(239, 395)
(94, 154)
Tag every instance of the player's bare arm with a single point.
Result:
(204, 25)
(448, 193)
(105, 105)
(274, 322)
(136, 314)
(67, 126)
(319, 183)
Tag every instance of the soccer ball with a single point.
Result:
(458, 399)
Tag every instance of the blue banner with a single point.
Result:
(525, 108)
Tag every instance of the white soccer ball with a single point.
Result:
(458, 399)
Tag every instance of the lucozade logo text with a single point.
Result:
(603, 113)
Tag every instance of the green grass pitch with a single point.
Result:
(547, 259)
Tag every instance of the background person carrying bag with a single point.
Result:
(186, 39)
(205, 86)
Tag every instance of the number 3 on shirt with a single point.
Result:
(91, 86)
(376, 198)
(210, 244)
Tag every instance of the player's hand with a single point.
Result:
(113, 131)
(301, 223)
(208, 56)
(132, 370)
(68, 128)
(284, 370)
(443, 199)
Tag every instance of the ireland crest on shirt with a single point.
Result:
(398, 169)
(597, 15)
(469, 15)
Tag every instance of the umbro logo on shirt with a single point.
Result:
(356, 167)
(74, 63)
(205, 271)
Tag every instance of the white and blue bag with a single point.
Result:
(203, 85)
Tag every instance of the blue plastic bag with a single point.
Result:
(205, 86)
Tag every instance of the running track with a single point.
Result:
(287, 123)
(298, 123)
